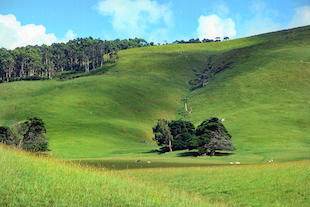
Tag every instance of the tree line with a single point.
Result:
(217, 39)
(209, 136)
(43, 62)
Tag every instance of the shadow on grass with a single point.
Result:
(196, 154)
(138, 164)
(155, 151)
(189, 153)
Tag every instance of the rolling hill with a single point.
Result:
(263, 94)
(101, 125)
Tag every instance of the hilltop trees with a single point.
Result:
(43, 62)
(28, 135)
(209, 136)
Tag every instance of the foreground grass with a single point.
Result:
(26, 180)
(276, 184)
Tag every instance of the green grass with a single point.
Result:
(103, 123)
(284, 184)
(29, 181)
(263, 96)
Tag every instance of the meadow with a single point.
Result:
(100, 125)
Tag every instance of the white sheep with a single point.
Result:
(234, 163)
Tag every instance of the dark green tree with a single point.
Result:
(34, 138)
(6, 136)
(28, 135)
(162, 134)
(75, 56)
(182, 132)
(211, 135)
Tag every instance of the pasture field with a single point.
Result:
(99, 126)
(28, 180)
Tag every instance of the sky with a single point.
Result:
(31, 22)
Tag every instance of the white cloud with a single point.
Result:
(220, 8)
(213, 26)
(261, 24)
(262, 20)
(70, 35)
(13, 34)
(134, 17)
(301, 17)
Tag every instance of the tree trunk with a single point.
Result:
(21, 73)
(212, 153)
(86, 65)
(170, 146)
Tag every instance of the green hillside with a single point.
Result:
(263, 96)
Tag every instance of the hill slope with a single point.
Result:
(263, 96)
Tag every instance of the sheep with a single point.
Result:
(234, 163)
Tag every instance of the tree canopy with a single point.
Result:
(162, 134)
(43, 62)
(182, 132)
(209, 136)
(28, 135)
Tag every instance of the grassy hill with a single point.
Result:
(104, 123)
(263, 96)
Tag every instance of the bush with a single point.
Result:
(28, 135)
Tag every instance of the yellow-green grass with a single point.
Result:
(273, 184)
(264, 98)
(26, 180)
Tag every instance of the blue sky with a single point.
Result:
(32, 22)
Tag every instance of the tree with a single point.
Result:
(6, 136)
(28, 135)
(34, 138)
(182, 132)
(211, 135)
(226, 38)
(162, 134)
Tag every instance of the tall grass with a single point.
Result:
(274, 184)
(26, 180)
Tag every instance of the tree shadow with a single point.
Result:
(223, 154)
(155, 151)
(196, 154)
(188, 154)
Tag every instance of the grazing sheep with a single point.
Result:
(234, 163)
(270, 161)
(222, 120)
(148, 162)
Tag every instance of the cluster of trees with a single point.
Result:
(209, 136)
(217, 39)
(43, 62)
(28, 135)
